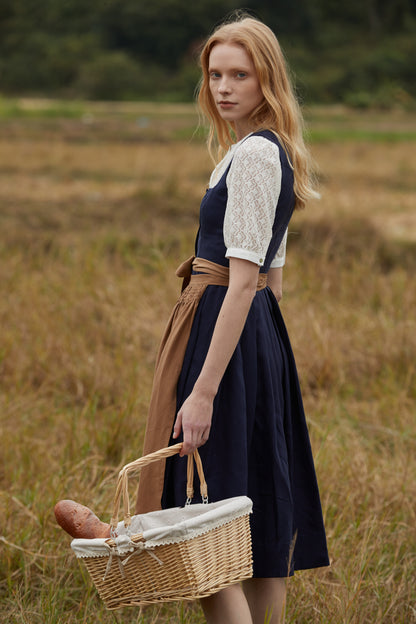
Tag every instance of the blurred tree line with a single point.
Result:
(361, 52)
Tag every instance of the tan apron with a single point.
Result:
(162, 408)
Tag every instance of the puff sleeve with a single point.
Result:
(253, 184)
(280, 257)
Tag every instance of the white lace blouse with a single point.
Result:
(253, 184)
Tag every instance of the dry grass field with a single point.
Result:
(98, 204)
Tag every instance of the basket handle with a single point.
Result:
(195, 457)
(134, 466)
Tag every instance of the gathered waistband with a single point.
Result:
(209, 273)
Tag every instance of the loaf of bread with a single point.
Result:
(79, 521)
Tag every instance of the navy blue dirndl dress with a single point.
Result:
(259, 443)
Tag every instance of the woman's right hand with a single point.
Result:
(275, 282)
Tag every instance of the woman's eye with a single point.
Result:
(241, 74)
(214, 75)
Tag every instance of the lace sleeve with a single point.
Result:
(280, 257)
(253, 184)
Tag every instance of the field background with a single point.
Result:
(98, 205)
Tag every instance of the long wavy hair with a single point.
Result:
(279, 111)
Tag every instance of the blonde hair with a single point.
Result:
(279, 111)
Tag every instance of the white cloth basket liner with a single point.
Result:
(168, 526)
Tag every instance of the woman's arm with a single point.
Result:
(275, 281)
(194, 417)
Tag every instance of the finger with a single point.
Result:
(178, 425)
(205, 436)
(191, 441)
(187, 449)
(187, 446)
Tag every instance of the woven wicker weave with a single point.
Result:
(185, 570)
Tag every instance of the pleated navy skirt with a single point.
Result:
(259, 443)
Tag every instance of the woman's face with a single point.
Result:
(234, 85)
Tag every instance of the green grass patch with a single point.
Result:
(41, 109)
(336, 135)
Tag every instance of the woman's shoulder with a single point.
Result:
(269, 142)
(257, 146)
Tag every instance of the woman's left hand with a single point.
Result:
(194, 419)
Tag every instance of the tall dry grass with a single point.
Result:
(93, 222)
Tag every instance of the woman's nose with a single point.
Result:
(224, 86)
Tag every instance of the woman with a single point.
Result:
(225, 378)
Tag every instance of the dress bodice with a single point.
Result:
(210, 242)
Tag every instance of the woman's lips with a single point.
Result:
(226, 105)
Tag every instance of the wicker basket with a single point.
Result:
(183, 553)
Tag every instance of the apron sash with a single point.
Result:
(162, 407)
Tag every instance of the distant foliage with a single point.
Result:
(360, 52)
